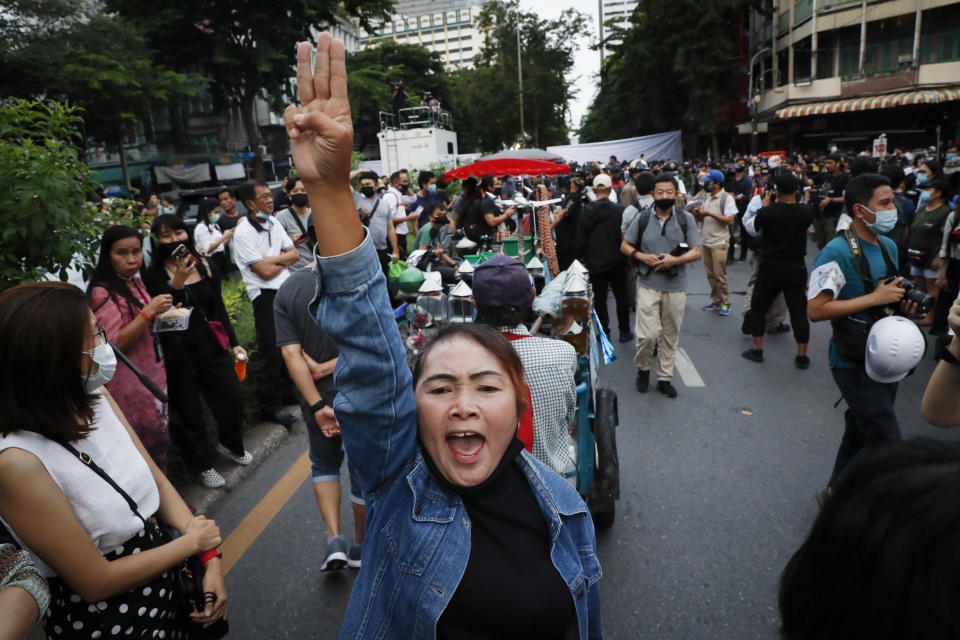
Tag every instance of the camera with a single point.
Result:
(924, 301)
(680, 249)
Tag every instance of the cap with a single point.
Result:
(894, 347)
(714, 175)
(602, 181)
(502, 281)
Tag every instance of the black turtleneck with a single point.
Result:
(510, 588)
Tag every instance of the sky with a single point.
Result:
(586, 61)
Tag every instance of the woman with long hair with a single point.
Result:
(208, 238)
(123, 306)
(78, 490)
(200, 359)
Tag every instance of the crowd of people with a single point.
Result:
(456, 468)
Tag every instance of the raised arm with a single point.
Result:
(378, 420)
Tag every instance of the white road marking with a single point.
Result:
(687, 371)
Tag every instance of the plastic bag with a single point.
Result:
(548, 302)
(394, 270)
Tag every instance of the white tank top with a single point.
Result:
(102, 511)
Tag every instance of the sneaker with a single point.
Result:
(724, 310)
(626, 336)
(643, 380)
(244, 460)
(336, 558)
(212, 479)
(666, 389)
(755, 355)
(783, 327)
(711, 307)
(353, 556)
(802, 362)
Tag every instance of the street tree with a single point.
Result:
(671, 70)
(80, 54)
(245, 49)
(370, 73)
(486, 99)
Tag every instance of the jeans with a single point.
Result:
(615, 279)
(869, 421)
(326, 455)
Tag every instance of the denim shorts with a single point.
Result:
(326, 456)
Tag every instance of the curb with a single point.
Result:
(260, 440)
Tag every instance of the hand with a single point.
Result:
(666, 262)
(159, 304)
(203, 534)
(649, 259)
(953, 319)
(212, 583)
(888, 293)
(824, 202)
(908, 309)
(183, 272)
(320, 130)
(301, 239)
(327, 421)
(696, 210)
(239, 351)
(510, 211)
(364, 212)
(227, 235)
(438, 251)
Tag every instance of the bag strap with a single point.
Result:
(87, 460)
(296, 219)
(860, 260)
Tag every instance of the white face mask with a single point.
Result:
(106, 361)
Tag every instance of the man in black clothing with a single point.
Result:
(831, 201)
(782, 229)
(566, 229)
(598, 247)
(742, 188)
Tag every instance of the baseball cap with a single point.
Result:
(502, 281)
(602, 181)
(714, 175)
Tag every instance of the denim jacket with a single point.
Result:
(417, 532)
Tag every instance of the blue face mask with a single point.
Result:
(886, 221)
(214, 218)
(263, 215)
(921, 178)
(924, 197)
(432, 188)
(951, 156)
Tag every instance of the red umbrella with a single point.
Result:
(511, 166)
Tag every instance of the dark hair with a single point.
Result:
(43, 326)
(785, 182)
(664, 177)
(836, 157)
(292, 182)
(644, 182)
(893, 173)
(488, 338)
(104, 274)
(227, 190)
(503, 316)
(863, 164)
(395, 176)
(204, 208)
(369, 175)
(934, 167)
(173, 223)
(247, 192)
(860, 189)
(424, 177)
(882, 558)
(486, 182)
(470, 188)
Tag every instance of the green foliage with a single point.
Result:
(43, 188)
(671, 70)
(369, 73)
(486, 98)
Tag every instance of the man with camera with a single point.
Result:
(662, 239)
(832, 184)
(854, 283)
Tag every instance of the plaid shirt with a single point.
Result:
(548, 369)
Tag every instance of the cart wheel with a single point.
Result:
(607, 483)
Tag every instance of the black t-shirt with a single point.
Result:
(566, 229)
(294, 325)
(226, 222)
(475, 224)
(833, 187)
(784, 227)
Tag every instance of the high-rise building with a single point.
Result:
(447, 27)
(616, 12)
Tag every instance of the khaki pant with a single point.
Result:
(777, 311)
(715, 263)
(659, 316)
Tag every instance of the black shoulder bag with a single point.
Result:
(850, 334)
(188, 575)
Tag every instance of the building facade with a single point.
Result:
(841, 72)
(615, 13)
(447, 27)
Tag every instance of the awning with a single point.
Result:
(885, 101)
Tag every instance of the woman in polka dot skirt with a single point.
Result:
(110, 572)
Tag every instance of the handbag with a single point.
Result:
(188, 575)
(216, 327)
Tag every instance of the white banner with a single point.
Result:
(658, 146)
(182, 174)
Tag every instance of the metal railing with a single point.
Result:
(416, 118)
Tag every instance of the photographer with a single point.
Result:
(398, 98)
(654, 239)
(853, 284)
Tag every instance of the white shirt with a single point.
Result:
(395, 206)
(102, 511)
(750, 215)
(205, 235)
(252, 245)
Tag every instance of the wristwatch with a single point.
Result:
(947, 356)
(316, 406)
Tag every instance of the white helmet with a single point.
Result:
(894, 347)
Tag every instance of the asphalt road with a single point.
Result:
(717, 492)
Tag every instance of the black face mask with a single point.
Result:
(664, 203)
(442, 220)
(299, 200)
(165, 250)
(367, 192)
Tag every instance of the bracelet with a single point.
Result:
(144, 314)
(948, 357)
(206, 556)
(316, 406)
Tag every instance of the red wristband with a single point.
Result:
(206, 556)
(146, 315)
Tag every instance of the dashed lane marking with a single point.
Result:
(687, 371)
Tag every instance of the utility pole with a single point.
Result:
(520, 82)
(754, 142)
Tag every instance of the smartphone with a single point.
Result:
(180, 253)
